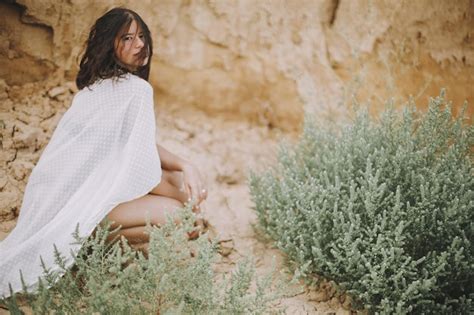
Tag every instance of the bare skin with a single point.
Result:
(163, 199)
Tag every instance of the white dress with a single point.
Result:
(102, 153)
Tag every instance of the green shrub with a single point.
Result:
(117, 279)
(384, 209)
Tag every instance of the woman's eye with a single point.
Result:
(127, 38)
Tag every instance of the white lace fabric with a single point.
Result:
(102, 153)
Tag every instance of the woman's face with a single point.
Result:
(129, 45)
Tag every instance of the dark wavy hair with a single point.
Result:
(99, 60)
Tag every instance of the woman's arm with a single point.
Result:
(170, 161)
(192, 179)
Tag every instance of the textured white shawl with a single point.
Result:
(103, 152)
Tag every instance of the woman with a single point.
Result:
(132, 51)
(102, 161)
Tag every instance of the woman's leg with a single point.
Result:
(135, 212)
(170, 186)
(173, 182)
(163, 199)
(133, 215)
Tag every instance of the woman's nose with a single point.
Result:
(139, 42)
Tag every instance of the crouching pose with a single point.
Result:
(102, 161)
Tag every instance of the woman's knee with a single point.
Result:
(139, 211)
(165, 206)
(170, 204)
(167, 188)
(175, 178)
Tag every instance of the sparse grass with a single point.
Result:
(117, 279)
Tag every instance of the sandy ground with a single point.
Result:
(225, 150)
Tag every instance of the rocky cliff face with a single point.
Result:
(266, 61)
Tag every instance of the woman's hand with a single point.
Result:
(194, 187)
(193, 184)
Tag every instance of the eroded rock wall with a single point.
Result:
(264, 60)
(405, 48)
(26, 49)
(28, 116)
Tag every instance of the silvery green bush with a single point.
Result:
(118, 279)
(383, 207)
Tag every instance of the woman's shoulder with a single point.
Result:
(136, 82)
